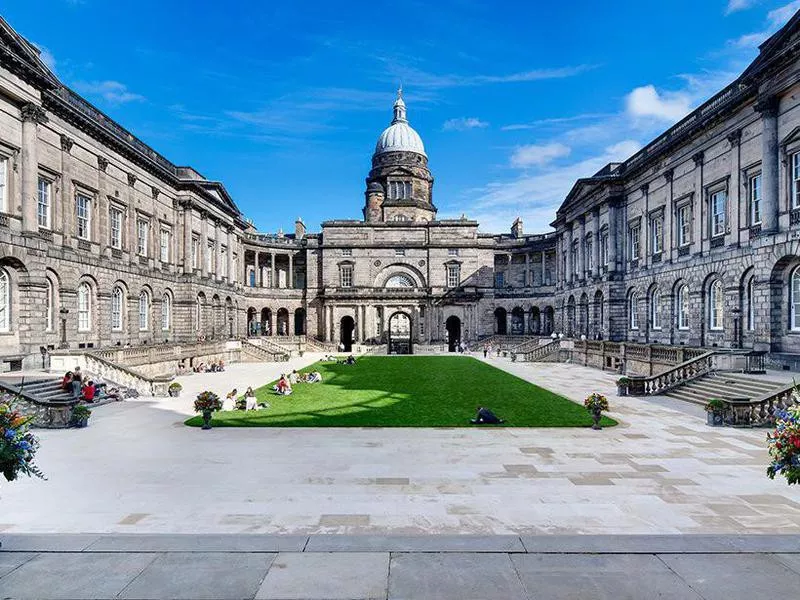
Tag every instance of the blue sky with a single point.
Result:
(283, 101)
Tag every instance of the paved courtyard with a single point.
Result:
(138, 469)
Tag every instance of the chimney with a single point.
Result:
(516, 228)
(299, 229)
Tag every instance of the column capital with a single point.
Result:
(66, 143)
(734, 137)
(698, 157)
(132, 179)
(645, 189)
(102, 163)
(33, 113)
(669, 174)
(767, 106)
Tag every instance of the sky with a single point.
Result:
(283, 101)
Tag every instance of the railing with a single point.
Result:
(269, 352)
(124, 377)
(315, 345)
(756, 362)
(677, 375)
(759, 411)
(538, 353)
(529, 345)
(143, 355)
(379, 349)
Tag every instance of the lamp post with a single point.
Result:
(63, 312)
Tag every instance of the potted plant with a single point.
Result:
(80, 415)
(715, 411)
(17, 445)
(207, 403)
(174, 389)
(784, 445)
(622, 386)
(596, 403)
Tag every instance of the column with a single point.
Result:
(273, 281)
(32, 116)
(699, 200)
(612, 238)
(527, 279)
(258, 278)
(570, 274)
(734, 189)
(596, 270)
(669, 218)
(187, 237)
(364, 323)
(290, 274)
(768, 108)
(217, 252)
(204, 245)
(582, 249)
(231, 240)
(544, 267)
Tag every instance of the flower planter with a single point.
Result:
(206, 419)
(714, 419)
(174, 393)
(622, 389)
(79, 423)
(596, 416)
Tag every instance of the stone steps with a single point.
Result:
(724, 386)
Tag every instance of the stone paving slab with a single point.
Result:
(642, 544)
(599, 577)
(200, 576)
(46, 542)
(327, 576)
(198, 543)
(12, 560)
(414, 543)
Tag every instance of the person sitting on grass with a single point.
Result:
(293, 377)
(230, 400)
(314, 377)
(486, 417)
(283, 387)
(250, 402)
(350, 360)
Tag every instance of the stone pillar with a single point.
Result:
(768, 108)
(734, 209)
(612, 238)
(527, 279)
(596, 244)
(582, 249)
(570, 274)
(670, 236)
(290, 274)
(32, 116)
(187, 237)
(204, 245)
(217, 252)
(544, 266)
(699, 201)
(231, 240)
(273, 281)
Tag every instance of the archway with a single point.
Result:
(400, 333)
(500, 317)
(549, 320)
(571, 316)
(583, 316)
(517, 321)
(266, 321)
(300, 321)
(453, 326)
(536, 321)
(283, 321)
(252, 321)
(598, 316)
(346, 327)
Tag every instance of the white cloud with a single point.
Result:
(776, 19)
(112, 91)
(534, 155)
(779, 16)
(737, 5)
(553, 121)
(463, 124)
(645, 101)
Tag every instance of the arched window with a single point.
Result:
(401, 280)
(144, 311)
(794, 300)
(166, 312)
(117, 297)
(51, 293)
(751, 313)
(655, 309)
(716, 306)
(198, 314)
(5, 301)
(633, 310)
(682, 308)
(84, 307)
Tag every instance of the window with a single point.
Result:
(84, 211)
(400, 218)
(499, 280)
(166, 312)
(144, 311)
(633, 310)
(604, 248)
(682, 308)
(117, 299)
(401, 280)
(210, 258)
(3, 184)
(655, 309)
(142, 233)
(589, 257)
(755, 199)
(195, 253)
(347, 252)
(684, 225)
(115, 220)
(164, 245)
(718, 201)
(43, 204)
(223, 261)
(84, 307)
(346, 276)
(635, 232)
(198, 314)
(796, 180)
(657, 234)
(751, 316)
(399, 190)
(5, 301)
(452, 252)
(399, 252)
(794, 300)
(453, 276)
(574, 255)
(51, 300)
(716, 306)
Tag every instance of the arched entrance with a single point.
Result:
(598, 315)
(399, 333)
(283, 321)
(346, 328)
(300, 321)
(571, 316)
(252, 321)
(517, 321)
(266, 321)
(548, 320)
(453, 326)
(536, 321)
(500, 316)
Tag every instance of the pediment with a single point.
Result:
(23, 58)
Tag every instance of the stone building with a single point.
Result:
(692, 241)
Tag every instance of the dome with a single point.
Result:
(400, 136)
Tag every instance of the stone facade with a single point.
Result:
(104, 242)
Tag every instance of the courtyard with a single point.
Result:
(138, 469)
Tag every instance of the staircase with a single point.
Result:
(724, 386)
(45, 391)
(266, 352)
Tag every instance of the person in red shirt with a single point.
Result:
(89, 391)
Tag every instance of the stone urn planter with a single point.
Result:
(207, 403)
(715, 413)
(174, 390)
(622, 386)
(79, 417)
(596, 403)
(596, 416)
(207, 419)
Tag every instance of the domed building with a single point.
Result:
(399, 186)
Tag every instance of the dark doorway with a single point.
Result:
(399, 334)
(283, 321)
(500, 321)
(252, 321)
(517, 321)
(266, 321)
(300, 321)
(453, 326)
(346, 327)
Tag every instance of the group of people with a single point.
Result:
(87, 390)
(285, 383)
(213, 367)
(246, 402)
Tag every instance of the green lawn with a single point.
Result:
(408, 391)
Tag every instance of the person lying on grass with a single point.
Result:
(486, 417)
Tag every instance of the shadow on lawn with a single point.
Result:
(414, 391)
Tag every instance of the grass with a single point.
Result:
(408, 391)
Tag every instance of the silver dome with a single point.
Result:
(400, 136)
